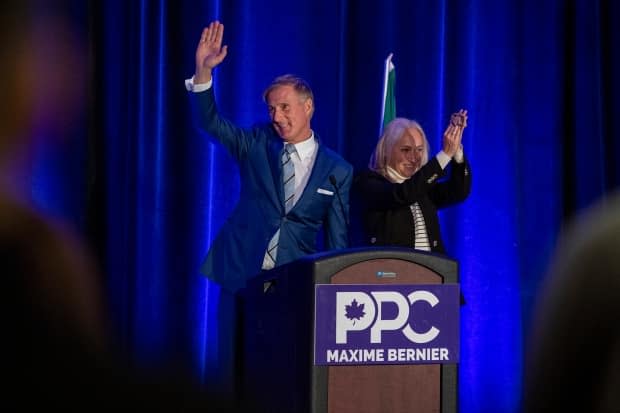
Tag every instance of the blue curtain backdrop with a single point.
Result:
(539, 79)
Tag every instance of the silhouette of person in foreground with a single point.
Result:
(55, 333)
(573, 358)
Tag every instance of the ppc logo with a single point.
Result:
(357, 311)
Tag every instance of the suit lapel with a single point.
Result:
(322, 165)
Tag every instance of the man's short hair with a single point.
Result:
(299, 85)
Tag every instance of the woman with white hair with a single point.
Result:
(400, 193)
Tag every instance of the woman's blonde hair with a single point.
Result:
(392, 133)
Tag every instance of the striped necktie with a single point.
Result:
(288, 181)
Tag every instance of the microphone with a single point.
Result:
(333, 181)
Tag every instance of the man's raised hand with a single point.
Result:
(209, 52)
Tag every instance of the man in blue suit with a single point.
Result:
(275, 222)
(322, 178)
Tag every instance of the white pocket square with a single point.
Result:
(324, 192)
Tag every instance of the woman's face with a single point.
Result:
(406, 156)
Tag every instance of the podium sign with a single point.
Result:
(359, 324)
(396, 349)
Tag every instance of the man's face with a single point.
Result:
(406, 156)
(289, 113)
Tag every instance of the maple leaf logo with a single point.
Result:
(354, 311)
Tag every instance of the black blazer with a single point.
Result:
(384, 207)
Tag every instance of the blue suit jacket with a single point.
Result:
(238, 251)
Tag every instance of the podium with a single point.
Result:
(276, 339)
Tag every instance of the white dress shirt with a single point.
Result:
(303, 160)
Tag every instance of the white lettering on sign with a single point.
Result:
(358, 311)
(355, 356)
